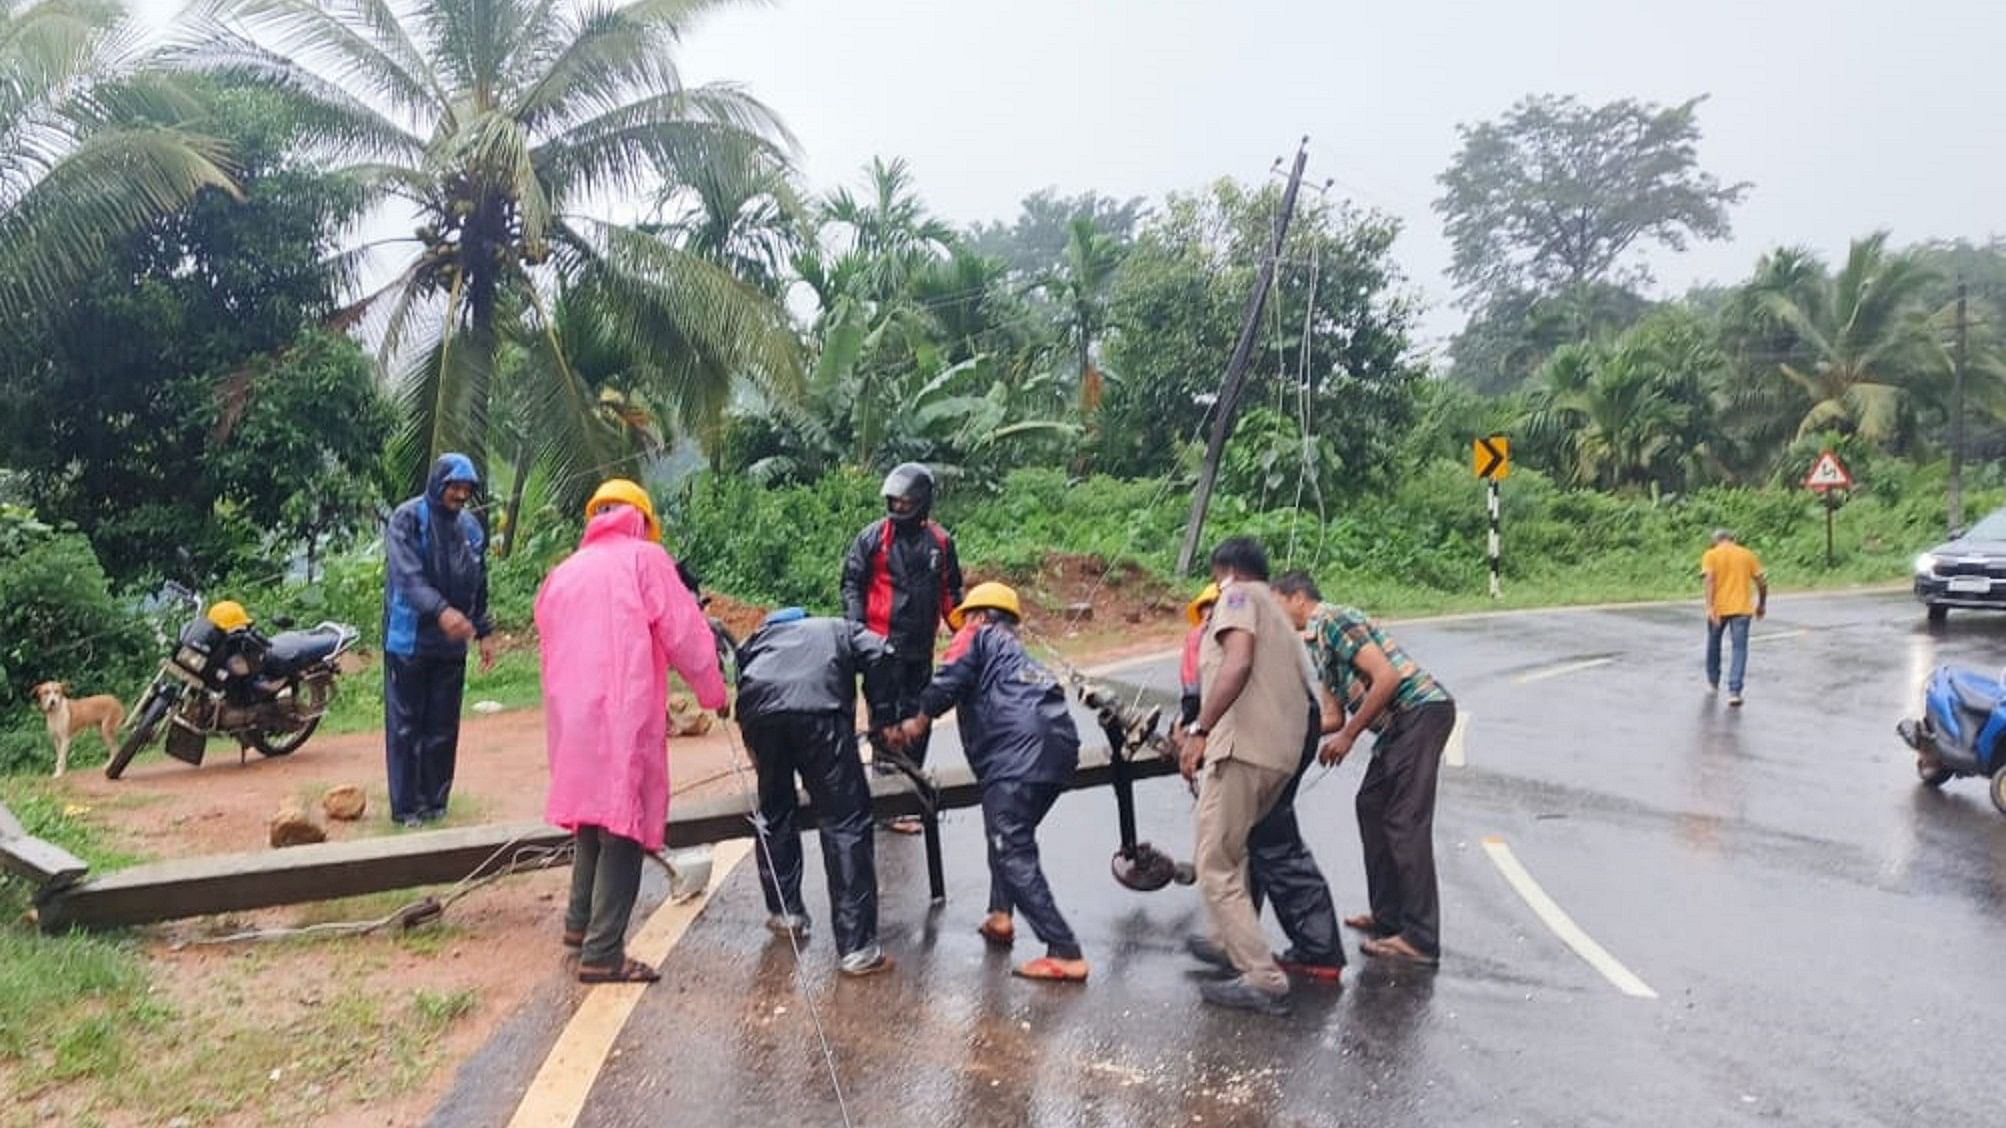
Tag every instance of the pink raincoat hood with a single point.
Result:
(613, 619)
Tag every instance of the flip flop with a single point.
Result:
(1000, 937)
(633, 971)
(1400, 952)
(573, 939)
(1049, 970)
(906, 824)
(1363, 922)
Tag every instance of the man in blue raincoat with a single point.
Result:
(435, 601)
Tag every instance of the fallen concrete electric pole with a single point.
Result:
(171, 890)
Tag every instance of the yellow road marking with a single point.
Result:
(557, 1094)
(1563, 926)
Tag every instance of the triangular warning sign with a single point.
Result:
(1828, 474)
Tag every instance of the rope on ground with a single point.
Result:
(741, 760)
(413, 913)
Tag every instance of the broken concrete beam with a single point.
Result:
(10, 827)
(44, 864)
(224, 883)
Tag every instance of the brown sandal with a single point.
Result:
(1364, 922)
(1396, 949)
(573, 939)
(633, 971)
(1000, 937)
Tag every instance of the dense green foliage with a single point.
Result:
(190, 351)
(192, 378)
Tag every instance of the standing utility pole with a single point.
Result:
(1957, 417)
(1236, 369)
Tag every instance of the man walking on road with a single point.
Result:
(1253, 719)
(1737, 590)
(797, 705)
(1411, 717)
(900, 580)
(435, 601)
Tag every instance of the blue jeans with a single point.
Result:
(1737, 626)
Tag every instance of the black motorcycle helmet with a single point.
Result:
(913, 482)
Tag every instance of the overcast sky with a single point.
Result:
(1845, 115)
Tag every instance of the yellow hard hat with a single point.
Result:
(620, 491)
(986, 597)
(229, 615)
(1194, 612)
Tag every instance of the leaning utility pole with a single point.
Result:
(1957, 417)
(1236, 369)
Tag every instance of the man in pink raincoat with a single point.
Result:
(614, 618)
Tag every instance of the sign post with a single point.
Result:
(1828, 479)
(1490, 460)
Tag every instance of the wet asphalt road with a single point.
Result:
(1822, 933)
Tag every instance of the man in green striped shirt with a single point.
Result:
(1380, 689)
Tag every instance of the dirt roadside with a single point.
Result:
(370, 1030)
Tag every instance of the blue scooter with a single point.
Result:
(1962, 731)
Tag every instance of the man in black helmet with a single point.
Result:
(900, 581)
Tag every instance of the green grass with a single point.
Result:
(514, 682)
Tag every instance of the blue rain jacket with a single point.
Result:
(436, 560)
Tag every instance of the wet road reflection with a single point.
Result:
(1769, 871)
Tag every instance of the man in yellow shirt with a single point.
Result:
(1737, 592)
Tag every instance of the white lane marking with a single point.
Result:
(1455, 754)
(1774, 635)
(1563, 668)
(1563, 926)
(557, 1095)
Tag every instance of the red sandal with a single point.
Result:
(1049, 970)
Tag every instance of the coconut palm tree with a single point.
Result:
(93, 142)
(1081, 286)
(1866, 345)
(741, 212)
(503, 124)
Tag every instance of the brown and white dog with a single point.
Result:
(67, 718)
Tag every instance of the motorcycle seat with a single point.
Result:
(293, 651)
(1980, 699)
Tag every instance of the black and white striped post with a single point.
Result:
(1490, 459)
(1496, 545)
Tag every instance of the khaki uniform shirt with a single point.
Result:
(1267, 725)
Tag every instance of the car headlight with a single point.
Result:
(1925, 564)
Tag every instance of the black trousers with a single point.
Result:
(605, 883)
(1396, 824)
(1280, 866)
(892, 690)
(1011, 812)
(421, 731)
(821, 748)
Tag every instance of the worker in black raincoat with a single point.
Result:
(1024, 749)
(797, 705)
(900, 580)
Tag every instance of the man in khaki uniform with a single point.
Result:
(1247, 741)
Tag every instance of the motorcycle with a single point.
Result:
(225, 678)
(1962, 731)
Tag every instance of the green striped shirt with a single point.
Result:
(1336, 635)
